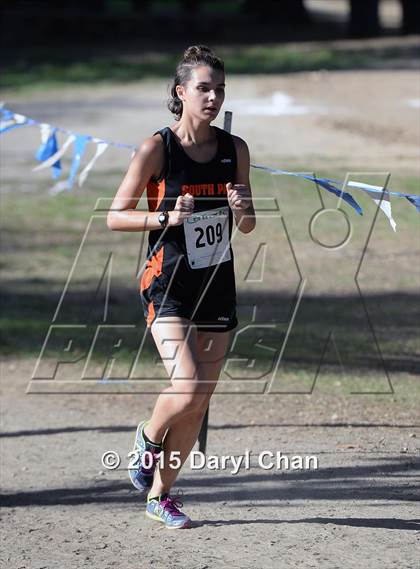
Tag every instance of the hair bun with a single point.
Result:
(195, 51)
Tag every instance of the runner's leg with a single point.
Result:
(183, 433)
(176, 341)
(184, 430)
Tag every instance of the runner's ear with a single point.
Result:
(180, 91)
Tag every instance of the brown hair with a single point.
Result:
(194, 56)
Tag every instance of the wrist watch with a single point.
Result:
(163, 218)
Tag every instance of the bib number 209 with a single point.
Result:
(209, 235)
(207, 238)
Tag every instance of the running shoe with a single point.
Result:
(165, 509)
(140, 476)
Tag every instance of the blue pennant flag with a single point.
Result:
(78, 150)
(415, 200)
(326, 184)
(10, 120)
(48, 148)
(323, 182)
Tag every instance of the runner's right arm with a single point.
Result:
(148, 161)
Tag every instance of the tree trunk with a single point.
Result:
(411, 16)
(288, 11)
(140, 6)
(364, 18)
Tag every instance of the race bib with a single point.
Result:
(207, 237)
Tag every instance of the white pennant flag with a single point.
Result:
(53, 159)
(46, 130)
(59, 187)
(100, 149)
(383, 200)
(14, 120)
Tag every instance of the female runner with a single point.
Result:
(197, 180)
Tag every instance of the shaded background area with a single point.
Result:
(127, 40)
(110, 21)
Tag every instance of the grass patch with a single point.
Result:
(60, 68)
(38, 259)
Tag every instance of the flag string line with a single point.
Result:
(49, 154)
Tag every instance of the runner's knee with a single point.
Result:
(191, 402)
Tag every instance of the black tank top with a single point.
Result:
(167, 249)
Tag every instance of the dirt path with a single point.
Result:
(63, 509)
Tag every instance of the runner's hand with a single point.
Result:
(239, 196)
(183, 208)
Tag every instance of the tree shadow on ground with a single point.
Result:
(380, 523)
(350, 332)
(349, 483)
(227, 427)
